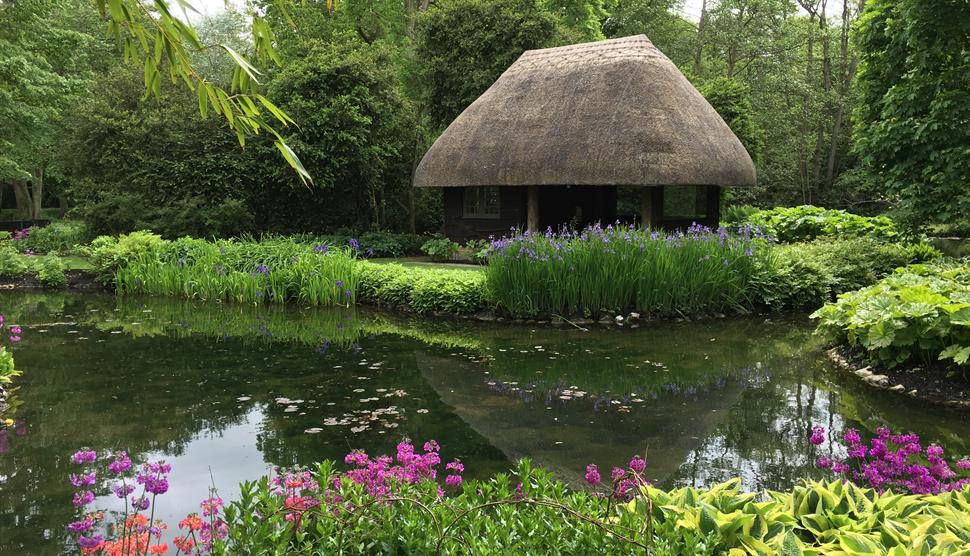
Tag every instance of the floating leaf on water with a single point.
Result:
(422, 411)
(314, 430)
(243, 398)
(291, 409)
(358, 390)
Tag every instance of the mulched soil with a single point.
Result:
(936, 382)
(77, 280)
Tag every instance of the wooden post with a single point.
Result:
(646, 207)
(532, 202)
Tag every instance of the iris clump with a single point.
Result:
(624, 268)
(268, 270)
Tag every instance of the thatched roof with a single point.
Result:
(614, 112)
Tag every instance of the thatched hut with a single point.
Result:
(551, 140)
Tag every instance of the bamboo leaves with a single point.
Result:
(162, 40)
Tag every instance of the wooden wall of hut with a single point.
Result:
(577, 206)
(512, 213)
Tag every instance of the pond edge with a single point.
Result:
(884, 382)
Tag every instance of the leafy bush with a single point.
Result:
(919, 313)
(424, 290)
(619, 269)
(58, 238)
(738, 214)
(801, 275)
(51, 272)
(806, 222)
(372, 244)
(109, 254)
(440, 249)
(12, 263)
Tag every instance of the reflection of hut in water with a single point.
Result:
(551, 140)
(564, 440)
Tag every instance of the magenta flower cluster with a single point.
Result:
(893, 461)
(380, 475)
(153, 477)
(622, 481)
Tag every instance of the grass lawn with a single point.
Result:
(426, 262)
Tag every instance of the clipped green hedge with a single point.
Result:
(807, 222)
(424, 290)
(918, 313)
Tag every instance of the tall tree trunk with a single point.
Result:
(22, 195)
(849, 64)
(806, 120)
(826, 90)
(699, 50)
(37, 194)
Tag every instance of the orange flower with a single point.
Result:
(160, 548)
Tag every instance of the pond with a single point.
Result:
(225, 393)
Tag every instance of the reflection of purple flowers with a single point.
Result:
(84, 456)
(83, 479)
(818, 435)
(82, 498)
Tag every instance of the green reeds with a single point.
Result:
(270, 270)
(617, 269)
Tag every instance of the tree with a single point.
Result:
(658, 19)
(730, 98)
(356, 128)
(913, 118)
(48, 54)
(464, 45)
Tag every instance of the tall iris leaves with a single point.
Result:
(151, 34)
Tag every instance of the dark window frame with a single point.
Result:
(475, 203)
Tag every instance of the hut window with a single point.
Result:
(481, 202)
(685, 202)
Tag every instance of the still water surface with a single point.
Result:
(225, 393)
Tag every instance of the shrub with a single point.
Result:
(51, 272)
(12, 263)
(619, 269)
(801, 275)
(919, 313)
(440, 249)
(109, 254)
(806, 222)
(424, 290)
(57, 237)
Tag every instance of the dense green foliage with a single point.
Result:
(806, 222)
(921, 313)
(491, 517)
(355, 137)
(58, 237)
(806, 275)
(464, 45)
(356, 133)
(730, 98)
(915, 105)
(622, 269)
(423, 290)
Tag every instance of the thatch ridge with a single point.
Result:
(615, 112)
